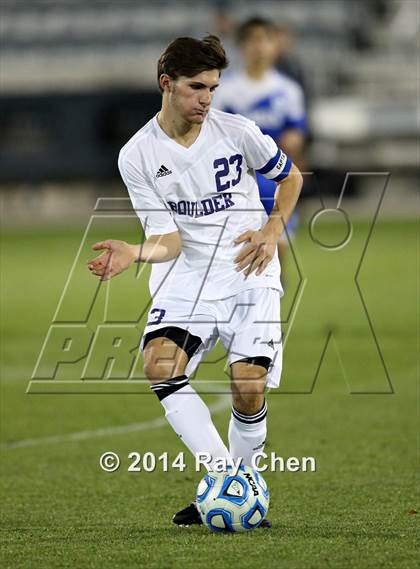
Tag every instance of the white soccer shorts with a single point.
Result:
(247, 324)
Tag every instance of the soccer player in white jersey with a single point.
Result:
(272, 100)
(190, 173)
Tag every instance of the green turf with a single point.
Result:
(59, 510)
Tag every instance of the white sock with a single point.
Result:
(190, 418)
(247, 434)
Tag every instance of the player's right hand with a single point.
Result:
(116, 258)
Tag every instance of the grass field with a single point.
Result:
(358, 419)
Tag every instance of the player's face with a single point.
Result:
(191, 96)
(260, 47)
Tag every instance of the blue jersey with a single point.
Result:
(275, 103)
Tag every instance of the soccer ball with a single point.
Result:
(229, 502)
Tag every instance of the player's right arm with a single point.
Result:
(117, 256)
(163, 241)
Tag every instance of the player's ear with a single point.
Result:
(165, 82)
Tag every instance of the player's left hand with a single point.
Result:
(257, 254)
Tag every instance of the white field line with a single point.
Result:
(221, 403)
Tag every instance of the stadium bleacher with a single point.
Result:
(358, 58)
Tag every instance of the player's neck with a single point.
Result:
(256, 71)
(183, 132)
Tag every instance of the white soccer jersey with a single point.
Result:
(209, 194)
(275, 102)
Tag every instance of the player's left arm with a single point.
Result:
(262, 244)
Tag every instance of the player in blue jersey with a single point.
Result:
(271, 99)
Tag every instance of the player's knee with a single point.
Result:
(155, 372)
(163, 360)
(248, 402)
(158, 369)
(248, 387)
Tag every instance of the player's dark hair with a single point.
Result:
(189, 56)
(245, 29)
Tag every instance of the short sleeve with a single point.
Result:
(263, 155)
(155, 217)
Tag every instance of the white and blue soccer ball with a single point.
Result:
(229, 502)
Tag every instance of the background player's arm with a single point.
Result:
(292, 142)
(262, 244)
(119, 255)
(293, 136)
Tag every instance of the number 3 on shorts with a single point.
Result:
(157, 314)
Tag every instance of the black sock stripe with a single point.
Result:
(164, 384)
(243, 415)
(166, 388)
(249, 419)
(252, 421)
(176, 381)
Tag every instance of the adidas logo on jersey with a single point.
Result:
(163, 171)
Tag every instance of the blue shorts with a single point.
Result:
(267, 189)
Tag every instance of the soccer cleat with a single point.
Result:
(189, 516)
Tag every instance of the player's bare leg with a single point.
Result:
(163, 359)
(164, 365)
(248, 427)
(248, 423)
